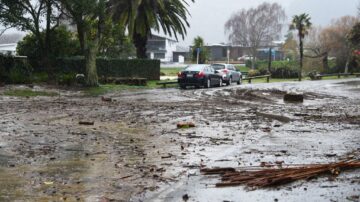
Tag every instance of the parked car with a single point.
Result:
(228, 73)
(199, 75)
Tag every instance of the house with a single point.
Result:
(219, 52)
(8, 48)
(161, 48)
(181, 54)
(8, 43)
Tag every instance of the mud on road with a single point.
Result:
(134, 151)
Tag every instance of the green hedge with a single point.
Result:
(14, 70)
(281, 69)
(143, 68)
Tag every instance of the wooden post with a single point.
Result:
(268, 79)
(249, 80)
(338, 75)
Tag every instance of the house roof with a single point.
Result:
(182, 49)
(160, 35)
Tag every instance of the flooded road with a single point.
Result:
(134, 151)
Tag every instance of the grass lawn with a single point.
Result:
(171, 71)
(108, 88)
(28, 93)
(242, 68)
(274, 80)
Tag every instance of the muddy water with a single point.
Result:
(134, 152)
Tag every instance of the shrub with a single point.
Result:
(66, 79)
(63, 44)
(20, 73)
(106, 67)
(279, 69)
(253, 72)
(248, 63)
(14, 70)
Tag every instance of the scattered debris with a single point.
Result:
(106, 99)
(48, 183)
(280, 118)
(167, 157)
(185, 125)
(185, 197)
(293, 97)
(257, 177)
(87, 123)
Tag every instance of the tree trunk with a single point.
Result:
(325, 62)
(90, 63)
(140, 42)
(81, 36)
(347, 63)
(301, 57)
(46, 60)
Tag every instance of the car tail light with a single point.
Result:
(225, 70)
(200, 75)
(180, 75)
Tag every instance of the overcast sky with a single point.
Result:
(209, 16)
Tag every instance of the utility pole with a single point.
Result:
(198, 55)
(270, 58)
(228, 55)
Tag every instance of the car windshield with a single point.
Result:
(217, 67)
(194, 68)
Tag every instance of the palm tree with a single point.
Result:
(302, 24)
(142, 16)
(199, 43)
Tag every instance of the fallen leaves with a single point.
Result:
(183, 125)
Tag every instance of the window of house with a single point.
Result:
(159, 55)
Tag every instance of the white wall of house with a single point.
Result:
(162, 48)
(170, 48)
(8, 48)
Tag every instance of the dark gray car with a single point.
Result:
(199, 75)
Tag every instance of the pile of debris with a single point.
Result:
(257, 177)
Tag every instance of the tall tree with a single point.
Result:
(354, 39)
(290, 46)
(256, 27)
(89, 17)
(143, 16)
(302, 24)
(28, 15)
(199, 45)
(341, 48)
(354, 36)
(317, 45)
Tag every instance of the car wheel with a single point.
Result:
(208, 83)
(183, 86)
(239, 82)
(229, 82)
(220, 82)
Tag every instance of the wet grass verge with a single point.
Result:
(274, 80)
(108, 88)
(170, 71)
(28, 93)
